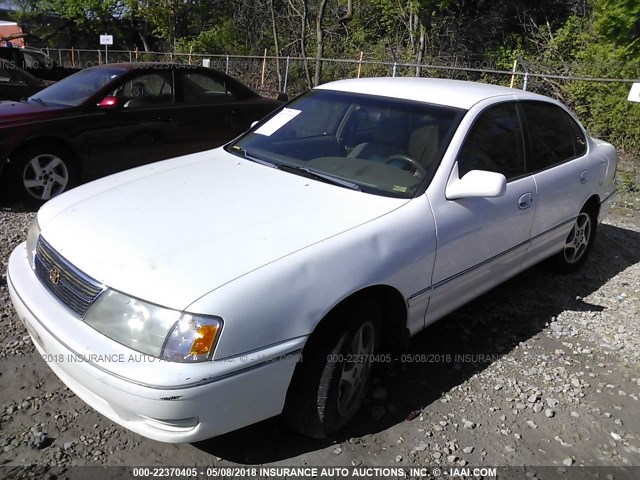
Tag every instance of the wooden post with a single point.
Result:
(360, 65)
(73, 58)
(286, 75)
(190, 52)
(99, 57)
(513, 70)
(136, 53)
(264, 66)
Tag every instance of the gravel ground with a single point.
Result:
(542, 370)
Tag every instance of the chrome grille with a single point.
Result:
(70, 286)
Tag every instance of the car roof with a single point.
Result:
(455, 93)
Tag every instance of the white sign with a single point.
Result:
(634, 93)
(206, 62)
(274, 124)
(106, 39)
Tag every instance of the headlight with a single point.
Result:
(154, 330)
(32, 240)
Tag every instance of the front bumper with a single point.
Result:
(165, 401)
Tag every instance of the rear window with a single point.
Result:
(554, 136)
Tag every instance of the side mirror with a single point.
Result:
(283, 97)
(476, 183)
(109, 103)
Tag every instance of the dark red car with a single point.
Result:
(113, 117)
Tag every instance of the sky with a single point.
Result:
(8, 5)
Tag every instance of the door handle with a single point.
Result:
(525, 201)
(584, 177)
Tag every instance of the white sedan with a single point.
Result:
(194, 296)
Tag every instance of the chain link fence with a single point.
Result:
(294, 75)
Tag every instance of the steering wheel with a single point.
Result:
(418, 169)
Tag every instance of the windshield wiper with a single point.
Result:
(37, 100)
(323, 177)
(245, 154)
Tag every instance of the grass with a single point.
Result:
(628, 182)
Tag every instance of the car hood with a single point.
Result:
(11, 111)
(173, 231)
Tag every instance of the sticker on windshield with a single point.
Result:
(278, 121)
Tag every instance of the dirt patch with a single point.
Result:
(543, 370)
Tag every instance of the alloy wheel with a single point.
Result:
(45, 176)
(578, 240)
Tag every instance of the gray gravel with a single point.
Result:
(540, 371)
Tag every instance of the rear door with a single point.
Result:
(564, 174)
(213, 110)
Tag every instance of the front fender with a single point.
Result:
(290, 296)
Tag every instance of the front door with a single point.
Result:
(141, 131)
(481, 241)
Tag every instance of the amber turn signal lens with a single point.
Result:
(204, 341)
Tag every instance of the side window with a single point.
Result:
(198, 88)
(554, 135)
(494, 143)
(32, 60)
(147, 90)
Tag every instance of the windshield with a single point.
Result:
(380, 145)
(77, 88)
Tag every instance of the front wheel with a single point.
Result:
(332, 380)
(578, 243)
(42, 172)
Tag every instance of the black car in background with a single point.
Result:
(36, 62)
(17, 84)
(109, 118)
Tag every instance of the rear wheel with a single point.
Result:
(578, 244)
(332, 380)
(41, 172)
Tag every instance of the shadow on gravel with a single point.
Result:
(16, 207)
(453, 349)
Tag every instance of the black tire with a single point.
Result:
(40, 172)
(322, 397)
(578, 244)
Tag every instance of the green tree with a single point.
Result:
(609, 47)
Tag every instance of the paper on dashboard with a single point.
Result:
(278, 121)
